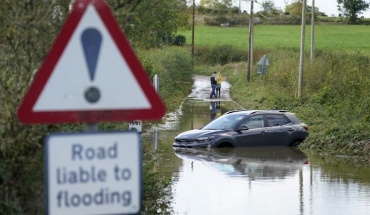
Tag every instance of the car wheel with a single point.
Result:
(296, 143)
(225, 145)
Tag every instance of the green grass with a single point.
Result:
(351, 38)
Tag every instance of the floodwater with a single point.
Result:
(253, 180)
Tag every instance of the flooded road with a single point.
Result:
(253, 180)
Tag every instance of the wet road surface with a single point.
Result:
(252, 180)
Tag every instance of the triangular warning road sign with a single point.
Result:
(90, 75)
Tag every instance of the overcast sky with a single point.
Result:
(329, 7)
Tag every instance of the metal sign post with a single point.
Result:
(263, 64)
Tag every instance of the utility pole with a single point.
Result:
(313, 30)
(301, 58)
(192, 32)
(250, 42)
(240, 8)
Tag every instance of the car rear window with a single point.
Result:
(293, 118)
(276, 120)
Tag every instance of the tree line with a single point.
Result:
(351, 9)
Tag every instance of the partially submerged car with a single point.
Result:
(247, 128)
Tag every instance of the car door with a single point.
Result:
(279, 129)
(255, 135)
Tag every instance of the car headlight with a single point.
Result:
(204, 139)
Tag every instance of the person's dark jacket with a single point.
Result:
(213, 80)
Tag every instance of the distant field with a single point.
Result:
(327, 37)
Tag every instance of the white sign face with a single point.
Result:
(135, 126)
(93, 173)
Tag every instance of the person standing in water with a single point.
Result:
(218, 87)
(213, 85)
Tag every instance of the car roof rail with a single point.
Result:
(280, 111)
(277, 110)
(232, 111)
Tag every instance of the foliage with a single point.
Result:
(151, 23)
(268, 6)
(214, 11)
(351, 8)
(334, 102)
(27, 29)
(155, 186)
(295, 8)
(174, 66)
(216, 4)
(219, 54)
(233, 19)
(180, 40)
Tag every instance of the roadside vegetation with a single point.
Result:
(335, 100)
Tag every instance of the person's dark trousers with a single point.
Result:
(218, 92)
(213, 92)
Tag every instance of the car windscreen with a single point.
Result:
(225, 122)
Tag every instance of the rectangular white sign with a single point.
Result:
(93, 173)
(135, 126)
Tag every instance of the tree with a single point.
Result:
(351, 8)
(268, 6)
(216, 3)
(151, 23)
(295, 8)
(27, 30)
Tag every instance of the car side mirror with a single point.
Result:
(242, 128)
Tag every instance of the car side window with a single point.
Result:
(253, 122)
(276, 120)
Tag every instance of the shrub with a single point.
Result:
(180, 40)
(174, 66)
(219, 55)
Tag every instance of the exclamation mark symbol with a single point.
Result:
(91, 42)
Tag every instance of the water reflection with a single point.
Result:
(252, 162)
(215, 109)
(264, 180)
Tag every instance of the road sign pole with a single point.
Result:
(91, 127)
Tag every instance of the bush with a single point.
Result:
(219, 55)
(180, 40)
(174, 66)
(234, 19)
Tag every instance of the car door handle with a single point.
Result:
(290, 129)
(263, 132)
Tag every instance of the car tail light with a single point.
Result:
(305, 127)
